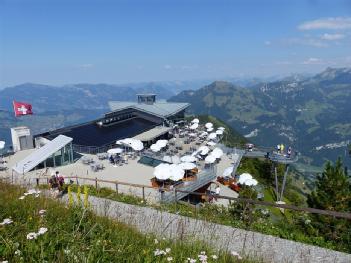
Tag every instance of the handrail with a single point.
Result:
(239, 199)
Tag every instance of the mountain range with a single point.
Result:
(311, 114)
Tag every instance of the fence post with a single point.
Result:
(143, 193)
(77, 180)
(175, 198)
(116, 188)
(37, 181)
(96, 183)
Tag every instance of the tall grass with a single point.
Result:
(75, 234)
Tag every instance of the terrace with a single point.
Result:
(194, 150)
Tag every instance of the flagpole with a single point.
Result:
(13, 106)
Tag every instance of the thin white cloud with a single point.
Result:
(331, 23)
(313, 61)
(167, 67)
(314, 42)
(86, 66)
(283, 63)
(332, 37)
(267, 43)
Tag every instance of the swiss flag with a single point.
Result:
(22, 108)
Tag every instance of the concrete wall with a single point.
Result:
(21, 132)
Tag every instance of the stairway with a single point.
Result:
(204, 178)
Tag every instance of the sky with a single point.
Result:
(99, 41)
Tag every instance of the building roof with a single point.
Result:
(41, 154)
(161, 109)
(152, 134)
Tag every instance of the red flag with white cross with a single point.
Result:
(22, 108)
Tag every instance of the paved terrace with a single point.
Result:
(137, 173)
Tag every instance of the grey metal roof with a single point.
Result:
(161, 109)
(41, 154)
(152, 134)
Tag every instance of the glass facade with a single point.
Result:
(62, 157)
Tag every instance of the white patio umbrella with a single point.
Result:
(209, 129)
(212, 136)
(210, 159)
(251, 182)
(161, 143)
(217, 152)
(167, 158)
(221, 128)
(228, 171)
(203, 134)
(243, 177)
(155, 148)
(162, 171)
(137, 145)
(188, 159)
(211, 143)
(175, 159)
(176, 172)
(195, 120)
(219, 132)
(203, 150)
(208, 125)
(2, 145)
(195, 153)
(194, 126)
(187, 166)
(115, 151)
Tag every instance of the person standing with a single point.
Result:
(217, 191)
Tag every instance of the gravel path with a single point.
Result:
(260, 246)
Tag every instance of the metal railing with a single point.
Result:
(177, 191)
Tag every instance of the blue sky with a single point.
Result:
(62, 42)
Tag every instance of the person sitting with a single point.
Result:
(111, 159)
(289, 152)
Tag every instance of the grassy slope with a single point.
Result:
(77, 235)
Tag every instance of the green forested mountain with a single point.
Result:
(312, 114)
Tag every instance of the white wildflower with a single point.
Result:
(42, 231)
(214, 256)
(168, 250)
(235, 254)
(37, 195)
(191, 260)
(159, 252)
(169, 258)
(6, 221)
(32, 235)
(155, 241)
(17, 252)
(42, 212)
(202, 258)
(66, 251)
(203, 253)
(22, 197)
(5, 261)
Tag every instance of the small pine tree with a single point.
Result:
(332, 192)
